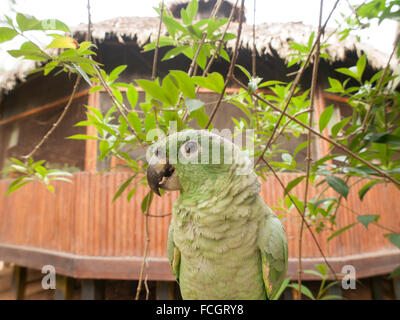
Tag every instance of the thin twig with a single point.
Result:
(378, 89)
(309, 155)
(229, 77)
(296, 82)
(193, 64)
(220, 42)
(253, 51)
(55, 124)
(146, 246)
(120, 105)
(373, 222)
(287, 123)
(155, 59)
(302, 217)
(336, 144)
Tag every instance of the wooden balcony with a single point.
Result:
(83, 234)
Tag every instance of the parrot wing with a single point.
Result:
(272, 243)
(174, 255)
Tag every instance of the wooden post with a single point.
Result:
(164, 290)
(91, 145)
(64, 288)
(377, 288)
(396, 288)
(287, 294)
(19, 282)
(322, 146)
(93, 289)
(335, 290)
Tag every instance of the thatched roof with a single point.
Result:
(270, 38)
(205, 8)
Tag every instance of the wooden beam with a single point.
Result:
(64, 288)
(18, 285)
(42, 108)
(335, 97)
(128, 268)
(93, 289)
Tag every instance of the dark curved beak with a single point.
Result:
(157, 173)
(160, 174)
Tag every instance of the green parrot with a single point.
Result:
(224, 242)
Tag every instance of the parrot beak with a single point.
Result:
(162, 175)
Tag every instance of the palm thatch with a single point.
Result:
(205, 9)
(271, 39)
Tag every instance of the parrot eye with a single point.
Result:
(190, 149)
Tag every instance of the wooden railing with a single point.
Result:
(83, 234)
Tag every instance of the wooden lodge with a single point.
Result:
(96, 245)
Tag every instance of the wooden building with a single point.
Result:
(96, 244)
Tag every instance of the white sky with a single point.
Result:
(73, 12)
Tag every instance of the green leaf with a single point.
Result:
(16, 186)
(116, 72)
(315, 273)
(135, 122)
(339, 126)
(29, 50)
(214, 81)
(170, 90)
(122, 188)
(193, 104)
(53, 24)
(366, 187)
(339, 185)
(7, 34)
(300, 147)
(248, 75)
(81, 137)
(361, 63)
(64, 42)
(335, 234)
(348, 72)
(395, 239)
(146, 202)
(331, 297)
(201, 117)
(132, 96)
(191, 10)
(152, 88)
(284, 285)
(304, 290)
(185, 83)
(325, 118)
(27, 22)
(336, 85)
(385, 138)
(175, 52)
(366, 219)
(321, 268)
(149, 122)
(294, 183)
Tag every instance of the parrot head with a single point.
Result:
(192, 160)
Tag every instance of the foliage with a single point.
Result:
(321, 272)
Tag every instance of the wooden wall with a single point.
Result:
(84, 234)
